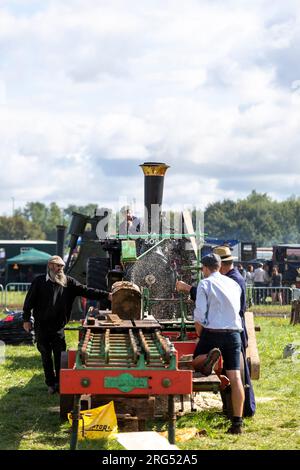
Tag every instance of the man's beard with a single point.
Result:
(60, 277)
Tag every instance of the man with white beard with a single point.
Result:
(50, 299)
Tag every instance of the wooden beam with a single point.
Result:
(252, 351)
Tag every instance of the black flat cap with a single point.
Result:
(211, 261)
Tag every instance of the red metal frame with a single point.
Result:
(180, 381)
(184, 347)
(174, 335)
(71, 358)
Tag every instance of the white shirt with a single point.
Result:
(259, 275)
(218, 303)
(249, 278)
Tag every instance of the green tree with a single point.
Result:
(257, 218)
(54, 218)
(17, 227)
(45, 217)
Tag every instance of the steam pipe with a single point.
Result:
(76, 229)
(60, 240)
(153, 194)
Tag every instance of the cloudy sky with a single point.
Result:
(90, 89)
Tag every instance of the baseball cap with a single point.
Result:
(211, 261)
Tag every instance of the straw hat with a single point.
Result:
(224, 252)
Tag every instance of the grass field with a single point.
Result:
(12, 299)
(15, 300)
(29, 418)
(274, 310)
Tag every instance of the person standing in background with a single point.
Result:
(259, 282)
(277, 283)
(242, 270)
(249, 275)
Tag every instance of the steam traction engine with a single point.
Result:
(123, 352)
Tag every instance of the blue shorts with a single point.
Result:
(229, 344)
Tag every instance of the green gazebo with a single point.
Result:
(25, 266)
(30, 257)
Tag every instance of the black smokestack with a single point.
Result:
(60, 240)
(77, 227)
(153, 194)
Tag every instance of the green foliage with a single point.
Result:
(257, 218)
(17, 227)
(47, 217)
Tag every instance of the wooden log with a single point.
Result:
(126, 300)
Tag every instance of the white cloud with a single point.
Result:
(90, 89)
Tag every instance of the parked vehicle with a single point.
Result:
(287, 257)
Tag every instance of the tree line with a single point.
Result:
(37, 221)
(257, 218)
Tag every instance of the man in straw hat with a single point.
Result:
(50, 298)
(218, 326)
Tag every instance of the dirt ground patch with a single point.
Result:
(202, 401)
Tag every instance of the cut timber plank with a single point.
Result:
(203, 383)
(113, 318)
(252, 351)
(106, 324)
(146, 440)
(147, 324)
